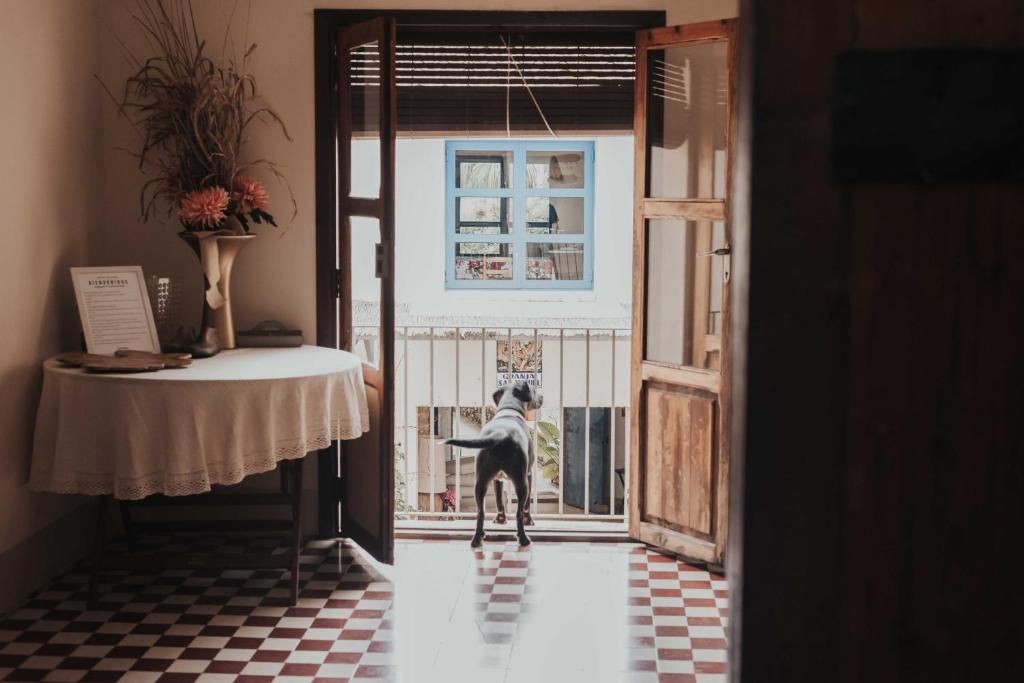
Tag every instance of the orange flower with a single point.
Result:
(250, 194)
(204, 207)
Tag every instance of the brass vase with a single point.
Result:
(218, 317)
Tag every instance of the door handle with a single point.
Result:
(726, 261)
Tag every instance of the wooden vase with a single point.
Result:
(228, 246)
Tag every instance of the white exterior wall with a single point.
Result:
(420, 293)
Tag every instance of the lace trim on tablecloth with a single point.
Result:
(196, 482)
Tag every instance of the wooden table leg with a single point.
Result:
(100, 542)
(295, 480)
(285, 471)
(127, 527)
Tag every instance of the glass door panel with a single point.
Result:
(684, 281)
(364, 100)
(686, 121)
(365, 290)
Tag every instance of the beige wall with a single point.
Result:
(274, 278)
(49, 191)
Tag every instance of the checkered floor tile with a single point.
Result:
(444, 612)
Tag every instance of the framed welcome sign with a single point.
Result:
(114, 308)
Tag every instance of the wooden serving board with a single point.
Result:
(125, 361)
(169, 359)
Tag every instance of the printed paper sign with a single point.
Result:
(114, 308)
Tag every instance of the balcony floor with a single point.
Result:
(550, 612)
(545, 529)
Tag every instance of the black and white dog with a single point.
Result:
(505, 449)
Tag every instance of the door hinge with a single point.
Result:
(381, 269)
(337, 283)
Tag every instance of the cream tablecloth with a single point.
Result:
(177, 432)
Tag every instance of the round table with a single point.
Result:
(179, 431)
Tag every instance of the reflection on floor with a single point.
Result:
(545, 529)
(549, 612)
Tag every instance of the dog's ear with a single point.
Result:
(523, 391)
(498, 393)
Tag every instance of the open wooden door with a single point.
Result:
(366, 256)
(679, 477)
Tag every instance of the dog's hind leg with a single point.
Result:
(499, 500)
(522, 494)
(479, 492)
(528, 518)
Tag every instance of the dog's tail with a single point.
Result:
(477, 443)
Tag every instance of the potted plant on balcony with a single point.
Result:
(193, 113)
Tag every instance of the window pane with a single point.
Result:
(686, 120)
(364, 75)
(475, 169)
(483, 261)
(483, 215)
(554, 261)
(554, 169)
(554, 215)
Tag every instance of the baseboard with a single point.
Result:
(43, 556)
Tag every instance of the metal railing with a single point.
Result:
(444, 378)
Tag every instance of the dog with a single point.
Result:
(506, 448)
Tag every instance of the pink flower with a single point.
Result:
(250, 194)
(204, 207)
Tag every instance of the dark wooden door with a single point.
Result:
(366, 210)
(582, 487)
(680, 455)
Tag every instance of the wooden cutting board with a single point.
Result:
(125, 361)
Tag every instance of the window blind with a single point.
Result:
(490, 82)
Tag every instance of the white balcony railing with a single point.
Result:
(444, 379)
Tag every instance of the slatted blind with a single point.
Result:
(474, 83)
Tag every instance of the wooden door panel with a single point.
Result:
(682, 126)
(681, 462)
(363, 515)
(365, 487)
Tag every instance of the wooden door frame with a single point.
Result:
(687, 209)
(330, 281)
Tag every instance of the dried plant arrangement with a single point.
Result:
(193, 113)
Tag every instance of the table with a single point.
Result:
(178, 432)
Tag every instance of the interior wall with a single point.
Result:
(50, 192)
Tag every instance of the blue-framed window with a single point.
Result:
(519, 214)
